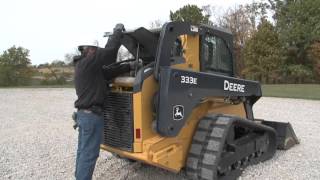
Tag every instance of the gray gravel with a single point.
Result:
(37, 140)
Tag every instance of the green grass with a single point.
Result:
(40, 86)
(299, 91)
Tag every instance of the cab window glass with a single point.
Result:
(177, 52)
(177, 48)
(216, 56)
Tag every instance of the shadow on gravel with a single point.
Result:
(147, 172)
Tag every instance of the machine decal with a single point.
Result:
(188, 80)
(194, 29)
(147, 70)
(178, 112)
(228, 86)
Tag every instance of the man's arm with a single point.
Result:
(114, 72)
(108, 54)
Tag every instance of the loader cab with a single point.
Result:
(211, 46)
(207, 49)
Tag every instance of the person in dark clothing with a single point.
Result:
(91, 90)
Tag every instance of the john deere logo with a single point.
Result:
(178, 112)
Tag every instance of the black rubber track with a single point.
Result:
(209, 142)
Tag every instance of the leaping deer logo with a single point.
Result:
(178, 112)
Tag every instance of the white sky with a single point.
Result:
(50, 29)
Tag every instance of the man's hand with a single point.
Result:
(119, 27)
(132, 65)
(114, 40)
(75, 123)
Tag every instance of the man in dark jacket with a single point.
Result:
(91, 90)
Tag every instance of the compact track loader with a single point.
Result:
(183, 108)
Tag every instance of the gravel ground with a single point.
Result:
(37, 140)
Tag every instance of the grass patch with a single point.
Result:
(299, 91)
(40, 86)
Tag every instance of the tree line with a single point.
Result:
(16, 69)
(275, 41)
(284, 48)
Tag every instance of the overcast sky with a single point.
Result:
(50, 29)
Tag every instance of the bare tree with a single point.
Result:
(242, 21)
(209, 11)
(237, 20)
(156, 24)
(68, 57)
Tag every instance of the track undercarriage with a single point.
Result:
(224, 145)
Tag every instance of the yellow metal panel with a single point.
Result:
(143, 112)
(149, 88)
(191, 53)
(169, 156)
(137, 147)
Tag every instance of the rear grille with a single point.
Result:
(118, 121)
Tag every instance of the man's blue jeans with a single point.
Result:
(90, 136)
